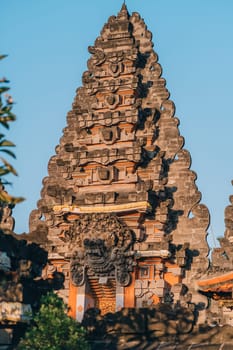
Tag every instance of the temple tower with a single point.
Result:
(217, 284)
(119, 210)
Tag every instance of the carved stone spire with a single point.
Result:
(123, 12)
(229, 220)
(222, 258)
(121, 162)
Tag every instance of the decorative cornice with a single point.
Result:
(137, 206)
(214, 281)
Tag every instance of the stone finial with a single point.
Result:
(123, 12)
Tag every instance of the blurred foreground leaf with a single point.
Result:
(6, 116)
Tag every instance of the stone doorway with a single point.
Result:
(103, 291)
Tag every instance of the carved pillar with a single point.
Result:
(81, 302)
(119, 297)
(84, 300)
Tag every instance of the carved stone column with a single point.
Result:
(119, 297)
(81, 302)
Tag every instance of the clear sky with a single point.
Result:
(47, 42)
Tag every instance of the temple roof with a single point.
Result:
(221, 282)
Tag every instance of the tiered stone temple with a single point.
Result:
(217, 284)
(119, 210)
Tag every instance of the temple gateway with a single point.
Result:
(119, 209)
(119, 227)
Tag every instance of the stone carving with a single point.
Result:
(101, 246)
(222, 257)
(145, 290)
(98, 55)
(115, 68)
(112, 101)
(110, 134)
(229, 220)
(121, 152)
(222, 261)
(7, 222)
(104, 174)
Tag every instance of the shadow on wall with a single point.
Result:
(158, 324)
(155, 328)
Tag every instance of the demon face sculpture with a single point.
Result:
(101, 246)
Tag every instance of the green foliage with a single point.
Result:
(6, 116)
(52, 329)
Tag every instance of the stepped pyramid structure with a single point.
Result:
(120, 213)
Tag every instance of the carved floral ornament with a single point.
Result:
(100, 245)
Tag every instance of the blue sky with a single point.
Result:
(47, 44)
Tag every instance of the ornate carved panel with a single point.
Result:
(100, 245)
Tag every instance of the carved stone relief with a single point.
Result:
(109, 135)
(112, 101)
(100, 245)
(145, 290)
(106, 174)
